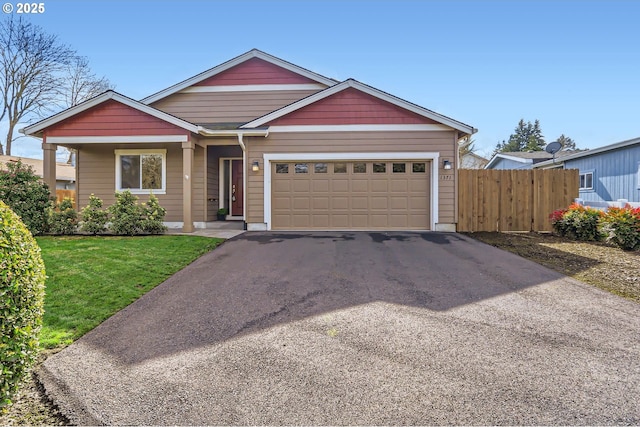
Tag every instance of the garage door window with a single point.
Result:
(379, 168)
(320, 168)
(419, 167)
(301, 168)
(339, 168)
(399, 168)
(359, 168)
(282, 168)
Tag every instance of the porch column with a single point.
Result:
(188, 149)
(49, 166)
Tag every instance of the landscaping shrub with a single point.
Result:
(153, 221)
(23, 191)
(577, 222)
(130, 218)
(22, 278)
(63, 218)
(126, 214)
(621, 226)
(94, 218)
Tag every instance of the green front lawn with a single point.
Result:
(91, 278)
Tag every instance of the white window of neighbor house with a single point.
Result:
(586, 180)
(638, 176)
(141, 171)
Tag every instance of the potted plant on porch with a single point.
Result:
(222, 214)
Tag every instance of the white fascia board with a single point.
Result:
(366, 89)
(70, 112)
(144, 139)
(358, 128)
(254, 53)
(274, 157)
(232, 132)
(253, 88)
(495, 158)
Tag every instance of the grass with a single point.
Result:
(91, 278)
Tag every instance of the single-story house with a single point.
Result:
(517, 160)
(607, 173)
(276, 145)
(65, 173)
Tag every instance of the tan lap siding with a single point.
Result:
(220, 107)
(97, 172)
(442, 142)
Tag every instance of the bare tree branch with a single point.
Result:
(31, 67)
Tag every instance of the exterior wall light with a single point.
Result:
(255, 166)
(446, 165)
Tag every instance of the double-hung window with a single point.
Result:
(141, 171)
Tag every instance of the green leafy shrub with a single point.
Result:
(94, 218)
(577, 222)
(23, 191)
(621, 226)
(153, 222)
(63, 218)
(22, 277)
(126, 214)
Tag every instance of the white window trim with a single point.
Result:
(427, 156)
(119, 153)
(585, 173)
(638, 176)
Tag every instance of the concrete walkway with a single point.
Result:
(357, 329)
(219, 229)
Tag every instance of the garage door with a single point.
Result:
(367, 195)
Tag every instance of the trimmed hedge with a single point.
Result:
(22, 278)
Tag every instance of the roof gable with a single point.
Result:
(351, 106)
(375, 93)
(255, 71)
(277, 70)
(84, 116)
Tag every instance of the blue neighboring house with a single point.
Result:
(607, 173)
(517, 160)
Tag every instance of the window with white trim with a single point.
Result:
(141, 171)
(638, 175)
(586, 180)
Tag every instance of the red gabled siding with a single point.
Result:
(255, 71)
(351, 106)
(112, 118)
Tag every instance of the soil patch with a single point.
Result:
(598, 264)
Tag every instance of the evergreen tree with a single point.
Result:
(526, 137)
(567, 143)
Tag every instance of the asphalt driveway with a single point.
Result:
(358, 328)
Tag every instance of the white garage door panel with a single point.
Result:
(310, 195)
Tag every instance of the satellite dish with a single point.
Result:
(553, 147)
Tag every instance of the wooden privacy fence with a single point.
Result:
(513, 200)
(61, 194)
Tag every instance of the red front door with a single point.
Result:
(237, 195)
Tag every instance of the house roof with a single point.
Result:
(253, 53)
(594, 151)
(526, 157)
(64, 171)
(351, 83)
(37, 128)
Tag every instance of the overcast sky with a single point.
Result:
(574, 65)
